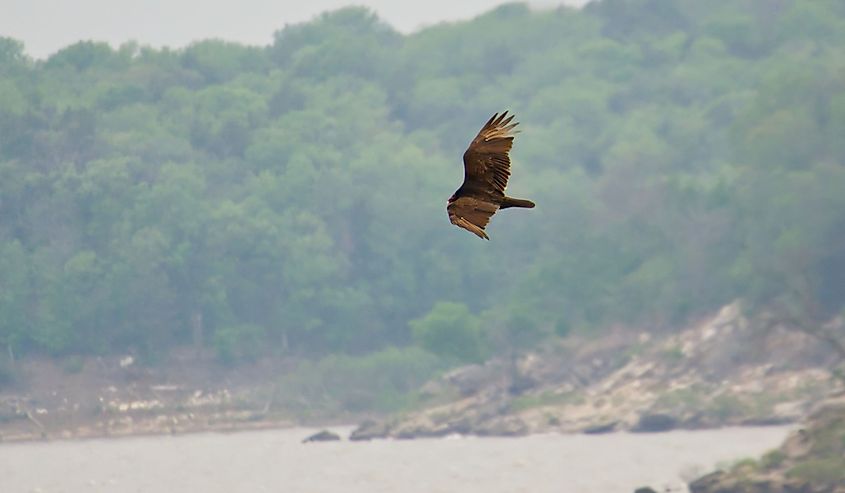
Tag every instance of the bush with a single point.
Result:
(239, 343)
(772, 459)
(384, 381)
(562, 327)
(727, 406)
(449, 330)
(73, 364)
(825, 470)
(523, 331)
(8, 375)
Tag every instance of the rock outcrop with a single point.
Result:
(725, 370)
(652, 423)
(811, 460)
(369, 430)
(322, 436)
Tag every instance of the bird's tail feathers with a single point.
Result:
(512, 202)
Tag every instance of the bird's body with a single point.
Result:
(486, 172)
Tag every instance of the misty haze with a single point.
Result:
(228, 263)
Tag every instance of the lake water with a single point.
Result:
(276, 461)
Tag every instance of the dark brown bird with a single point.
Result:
(487, 168)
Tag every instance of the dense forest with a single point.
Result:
(290, 199)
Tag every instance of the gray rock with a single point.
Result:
(600, 428)
(645, 489)
(767, 421)
(369, 430)
(323, 436)
(473, 379)
(708, 483)
(653, 423)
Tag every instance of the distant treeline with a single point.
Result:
(292, 197)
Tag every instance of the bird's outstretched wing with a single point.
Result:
(486, 160)
(472, 214)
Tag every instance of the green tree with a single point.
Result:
(450, 330)
(15, 289)
(682, 155)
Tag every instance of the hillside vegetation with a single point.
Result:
(291, 198)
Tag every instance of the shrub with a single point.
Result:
(384, 381)
(73, 364)
(239, 343)
(8, 375)
(772, 459)
(823, 470)
(727, 406)
(449, 330)
(563, 327)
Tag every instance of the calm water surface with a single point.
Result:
(276, 461)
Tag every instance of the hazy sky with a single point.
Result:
(48, 25)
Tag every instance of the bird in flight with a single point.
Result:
(487, 167)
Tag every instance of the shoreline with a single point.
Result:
(721, 371)
(72, 436)
(273, 425)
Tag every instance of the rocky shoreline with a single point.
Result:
(811, 460)
(726, 370)
(117, 397)
(122, 418)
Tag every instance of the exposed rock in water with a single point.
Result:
(645, 489)
(369, 430)
(600, 428)
(322, 436)
(653, 423)
(811, 460)
(709, 483)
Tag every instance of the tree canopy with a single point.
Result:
(681, 154)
